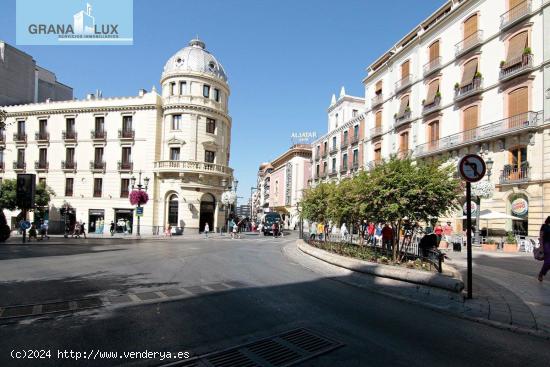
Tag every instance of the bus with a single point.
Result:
(268, 220)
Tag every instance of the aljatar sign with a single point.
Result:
(305, 137)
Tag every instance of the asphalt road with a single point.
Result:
(276, 295)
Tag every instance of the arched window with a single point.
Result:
(518, 107)
(470, 26)
(173, 207)
(433, 134)
(516, 47)
(378, 119)
(470, 122)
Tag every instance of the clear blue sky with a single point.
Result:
(284, 59)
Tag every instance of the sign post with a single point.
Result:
(471, 168)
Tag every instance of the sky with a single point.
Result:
(284, 60)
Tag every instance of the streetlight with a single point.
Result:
(301, 223)
(489, 164)
(252, 188)
(228, 198)
(139, 186)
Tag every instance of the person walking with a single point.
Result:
(313, 231)
(112, 228)
(32, 233)
(387, 237)
(438, 231)
(544, 241)
(206, 230)
(83, 229)
(378, 235)
(344, 231)
(320, 230)
(128, 227)
(370, 230)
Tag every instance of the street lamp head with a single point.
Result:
(146, 181)
(224, 182)
(489, 162)
(133, 181)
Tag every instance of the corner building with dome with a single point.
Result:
(87, 151)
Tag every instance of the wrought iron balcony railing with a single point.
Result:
(97, 165)
(403, 83)
(19, 166)
(126, 134)
(516, 14)
(354, 139)
(333, 150)
(125, 166)
(376, 100)
(193, 166)
(42, 136)
(20, 137)
(518, 66)
(98, 135)
(68, 165)
(70, 135)
(432, 107)
(375, 131)
(403, 119)
(345, 143)
(512, 175)
(41, 165)
(468, 43)
(432, 66)
(475, 87)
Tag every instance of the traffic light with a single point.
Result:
(26, 185)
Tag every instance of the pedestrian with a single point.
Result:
(44, 230)
(235, 232)
(370, 231)
(378, 235)
(320, 230)
(274, 229)
(344, 231)
(32, 233)
(112, 228)
(83, 229)
(313, 231)
(326, 230)
(128, 227)
(206, 230)
(438, 231)
(76, 230)
(544, 241)
(387, 237)
(428, 243)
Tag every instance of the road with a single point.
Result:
(265, 293)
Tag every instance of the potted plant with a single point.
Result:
(510, 244)
(423, 102)
(502, 63)
(477, 75)
(437, 94)
(526, 54)
(489, 245)
(407, 109)
(457, 86)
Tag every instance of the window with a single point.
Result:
(433, 90)
(433, 133)
(403, 107)
(98, 186)
(378, 88)
(378, 152)
(518, 158)
(405, 69)
(183, 88)
(42, 181)
(126, 123)
(355, 158)
(345, 161)
(20, 157)
(346, 137)
(325, 147)
(20, 127)
(174, 154)
(210, 126)
(434, 51)
(172, 89)
(124, 187)
(69, 158)
(470, 120)
(354, 113)
(176, 122)
(318, 150)
(469, 73)
(209, 156)
(69, 182)
(470, 26)
(317, 170)
(216, 94)
(378, 119)
(206, 91)
(325, 167)
(333, 164)
(334, 142)
(126, 156)
(42, 128)
(98, 155)
(404, 142)
(69, 128)
(356, 131)
(516, 46)
(42, 157)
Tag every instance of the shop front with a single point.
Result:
(124, 220)
(96, 221)
(519, 207)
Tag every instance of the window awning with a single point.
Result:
(433, 88)
(403, 106)
(469, 72)
(515, 48)
(378, 87)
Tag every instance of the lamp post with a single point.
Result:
(252, 188)
(228, 198)
(489, 164)
(139, 186)
(301, 223)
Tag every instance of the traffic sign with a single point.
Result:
(139, 211)
(472, 168)
(25, 224)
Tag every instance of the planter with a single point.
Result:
(489, 247)
(443, 245)
(510, 247)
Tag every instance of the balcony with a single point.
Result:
(69, 136)
(475, 87)
(126, 134)
(68, 166)
(354, 167)
(97, 166)
(516, 67)
(125, 166)
(404, 153)
(432, 107)
(42, 137)
(317, 156)
(19, 166)
(2, 137)
(515, 15)
(375, 132)
(2, 167)
(354, 139)
(41, 166)
(333, 150)
(345, 143)
(98, 135)
(469, 43)
(376, 100)
(20, 138)
(403, 119)
(403, 83)
(514, 175)
(324, 154)
(192, 167)
(432, 66)
(344, 169)
(333, 172)
(501, 128)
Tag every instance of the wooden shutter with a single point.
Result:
(378, 119)
(405, 69)
(470, 118)
(433, 88)
(403, 105)
(514, 3)
(378, 88)
(518, 102)
(434, 50)
(470, 26)
(470, 69)
(378, 152)
(433, 131)
(516, 45)
(404, 142)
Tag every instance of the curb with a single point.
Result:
(385, 271)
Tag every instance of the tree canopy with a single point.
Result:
(8, 195)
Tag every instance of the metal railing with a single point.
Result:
(515, 14)
(470, 89)
(19, 166)
(345, 143)
(376, 131)
(516, 67)
(19, 137)
(376, 100)
(469, 42)
(403, 83)
(432, 66)
(69, 135)
(126, 134)
(193, 166)
(354, 139)
(400, 120)
(125, 166)
(97, 165)
(333, 172)
(431, 107)
(41, 165)
(505, 126)
(98, 135)
(333, 150)
(42, 136)
(515, 174)
(68, 165)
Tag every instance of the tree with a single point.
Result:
(8, 195)
(314, 202)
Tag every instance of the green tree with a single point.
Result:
(314, 202)
(8, 195)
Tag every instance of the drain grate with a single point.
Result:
(281, 350)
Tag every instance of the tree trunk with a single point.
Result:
(396, 240)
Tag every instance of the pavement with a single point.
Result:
(203, 296)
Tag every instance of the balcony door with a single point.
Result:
(405, 69)
(470, 26)
(404, 144)
(99, 125)
(518, 106)
(517, 168)
(433, 52)
(98, 156)
(378, 119)
(433, 134)
(470, 118)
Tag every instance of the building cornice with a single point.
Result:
(194, 107)
(346, 98)
(345, 126)
(77, 110)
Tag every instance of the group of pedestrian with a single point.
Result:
(41, 229)
(319, 230)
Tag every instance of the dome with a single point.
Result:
(195, 58)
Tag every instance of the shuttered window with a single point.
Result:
(470, 26)
(434, 50)
(378, 88)
(378, 119)
(404, 142)
(470, 118)
(405, 69)
(518, 102)
(516, 45)
(470, 69)
(433, 131)
(514, 3)
(403, 106)
(378, 152)
(433, 88)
